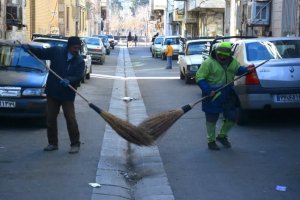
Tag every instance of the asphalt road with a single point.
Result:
(265, 153)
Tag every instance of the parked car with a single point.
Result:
(96, 49)
(191, 58)
(111, 41)
(156, 47)
(274, 85)
(176, 43)
(62, 42)
(22, 83)
(105, 42)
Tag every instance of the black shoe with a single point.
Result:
(213, 146)
(51, 147)
(224, 141)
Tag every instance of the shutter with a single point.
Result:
(289, 14)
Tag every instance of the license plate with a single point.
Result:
(284, 98)
(7, 104)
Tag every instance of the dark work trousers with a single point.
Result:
(69, 113)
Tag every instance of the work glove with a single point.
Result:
(65, 82)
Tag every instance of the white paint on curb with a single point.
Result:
(147, 162)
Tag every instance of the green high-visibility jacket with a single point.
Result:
(211, 76)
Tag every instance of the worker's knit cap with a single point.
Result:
(74, 40)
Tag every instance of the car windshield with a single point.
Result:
(92, 41)
(172, 40)
(196, 48)
(12, 56)
(158, 40)
(53, 42)
(273, 50)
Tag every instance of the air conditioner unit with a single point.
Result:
(258, 13)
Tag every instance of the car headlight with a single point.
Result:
(193, 67)
(34, 92)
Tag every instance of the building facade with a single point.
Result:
(197, 18)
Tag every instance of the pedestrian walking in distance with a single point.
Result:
(68, 64)
(135, 39)
(217, 70)
(169, 54)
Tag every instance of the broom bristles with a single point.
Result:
(157, 125)
(127, 130)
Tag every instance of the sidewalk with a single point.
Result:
(127, 171)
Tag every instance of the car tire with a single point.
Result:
(242, 117)
(188, 80)
(88, 75)
(182, 77)
(42, 122)
(84, 77)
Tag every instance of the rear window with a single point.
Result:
(273, 50)
(92, 41)
(172, 40)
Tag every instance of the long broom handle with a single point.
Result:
(97, 109)
(227, 84)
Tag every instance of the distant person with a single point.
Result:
(129, 38)
(69, 65)
(135, 39)
(154, 36)
(169, 54)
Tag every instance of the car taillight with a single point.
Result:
(252, 79)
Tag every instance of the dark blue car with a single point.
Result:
(22, 83)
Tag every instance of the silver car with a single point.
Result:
(96, 49)
(274, 85)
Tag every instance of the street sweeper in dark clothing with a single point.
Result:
(69, 65)
(217, 70)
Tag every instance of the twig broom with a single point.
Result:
(157, 125)
(126, 130)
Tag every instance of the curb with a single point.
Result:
(127, 171)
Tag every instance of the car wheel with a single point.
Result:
(182, 77)
(100, 61)
(83, 78)
(88, 75)
(242, 117)
(188, 79)
(42, 122)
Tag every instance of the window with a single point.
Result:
(14, 16)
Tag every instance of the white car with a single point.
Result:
(176, 43)
(191, 59)
(156, 47)
(274, 85)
